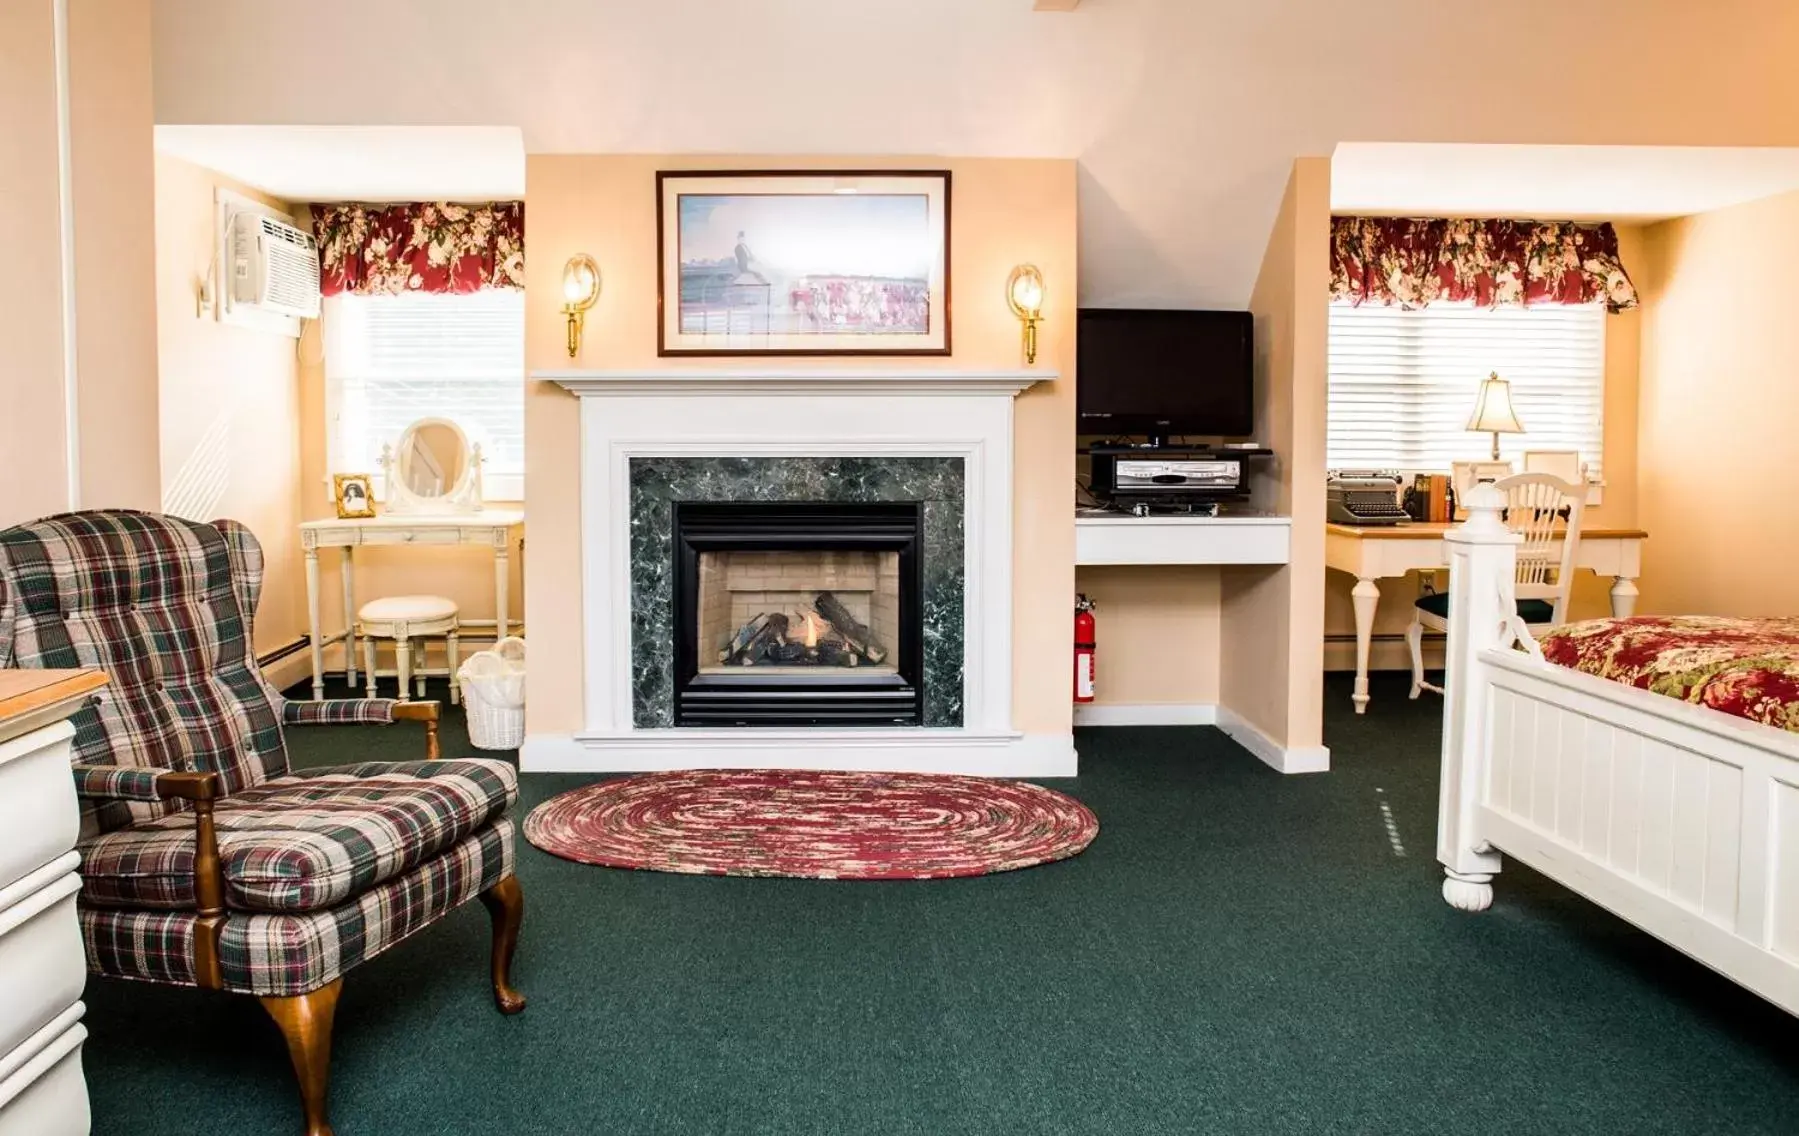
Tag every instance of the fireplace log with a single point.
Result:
(742, 639)
(860, 639)
(773, 631)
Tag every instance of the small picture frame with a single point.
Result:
(1465, 475)
(354, 494)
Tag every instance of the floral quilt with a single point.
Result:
(1746, 667)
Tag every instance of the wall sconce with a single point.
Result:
(580, 288)
(1024, 292)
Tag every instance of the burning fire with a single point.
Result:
(813, 626)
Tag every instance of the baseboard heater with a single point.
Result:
(270, 658)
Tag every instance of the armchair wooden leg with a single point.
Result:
(505, 903)
(305, 1021)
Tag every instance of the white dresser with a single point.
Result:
(42, 966)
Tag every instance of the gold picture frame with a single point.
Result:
(353, 494)
(803, 262)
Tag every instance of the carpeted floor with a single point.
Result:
(1237, 952)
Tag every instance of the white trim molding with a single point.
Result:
(896, 412)
(1285, 759)
(676, 382)
(1145, 714)
(968, 752)
(65, 187)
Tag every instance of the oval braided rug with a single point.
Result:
(785, 822)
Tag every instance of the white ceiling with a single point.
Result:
(1185, 115)
(1618, 183)
(359, 163)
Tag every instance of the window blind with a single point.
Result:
(1403, 383)
(391, 360)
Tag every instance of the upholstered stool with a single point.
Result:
(403, 619)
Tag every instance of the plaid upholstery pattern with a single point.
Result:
(336, 711)
(304, 842)
(163, 606)
(291, 954)
(116, 782)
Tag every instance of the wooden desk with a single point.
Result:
(1370, 552)
(490, 528)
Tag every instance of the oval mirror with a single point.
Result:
(433, 468)
(433, 456)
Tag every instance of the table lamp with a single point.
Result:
(1493, 413)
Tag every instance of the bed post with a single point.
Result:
(1482, 561)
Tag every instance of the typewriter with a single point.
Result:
(1363, 497)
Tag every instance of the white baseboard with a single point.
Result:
(1286, 759)
(884, 751)
(1145, 714)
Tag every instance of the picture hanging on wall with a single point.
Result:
(803, 262)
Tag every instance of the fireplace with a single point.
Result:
(798, 614)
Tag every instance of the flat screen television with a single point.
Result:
(1165, 372)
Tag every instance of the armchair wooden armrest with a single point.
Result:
(428, 713)
(365, 711)
(201, 790)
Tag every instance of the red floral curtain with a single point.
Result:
(420, 247)
(1414, 261)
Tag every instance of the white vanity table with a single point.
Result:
(489, 528)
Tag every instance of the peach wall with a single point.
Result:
(229, 400)
(1004, 211)
(111, 188)
(1618, 508)
(31, 356)
(1720, 388)
(113, 157)
(1158, 634)
(1272, 620)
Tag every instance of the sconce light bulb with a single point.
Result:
(1029, 294)
(1024, 292)
(580, 282)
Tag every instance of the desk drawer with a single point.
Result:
(42, 964)
(42, 1092)
(38, 811)
(412, 536)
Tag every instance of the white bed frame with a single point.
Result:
(1682, 820)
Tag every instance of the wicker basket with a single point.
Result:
(493, 695)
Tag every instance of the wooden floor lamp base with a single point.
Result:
(305, 1021)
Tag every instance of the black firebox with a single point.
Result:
(798, 614)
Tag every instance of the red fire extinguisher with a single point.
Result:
(1083, 649)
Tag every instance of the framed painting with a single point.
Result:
(803, 262)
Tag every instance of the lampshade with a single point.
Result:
(1493, 413)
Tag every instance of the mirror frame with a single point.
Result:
(463, 497)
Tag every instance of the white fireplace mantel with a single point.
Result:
(899, 409)
(900, 380)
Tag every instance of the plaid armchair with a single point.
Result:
(205, 861)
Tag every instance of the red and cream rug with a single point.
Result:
(784, 822)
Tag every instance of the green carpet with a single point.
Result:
(1237, 952)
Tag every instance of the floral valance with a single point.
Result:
(1414, 261)
(420, 247)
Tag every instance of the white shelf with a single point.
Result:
(1111, 540)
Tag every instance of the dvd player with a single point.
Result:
(1169, 475)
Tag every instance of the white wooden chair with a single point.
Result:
(1534, 505)
(403, 619)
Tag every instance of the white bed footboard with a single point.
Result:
(1682, 820)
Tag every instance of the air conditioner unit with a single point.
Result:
(274, 266)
